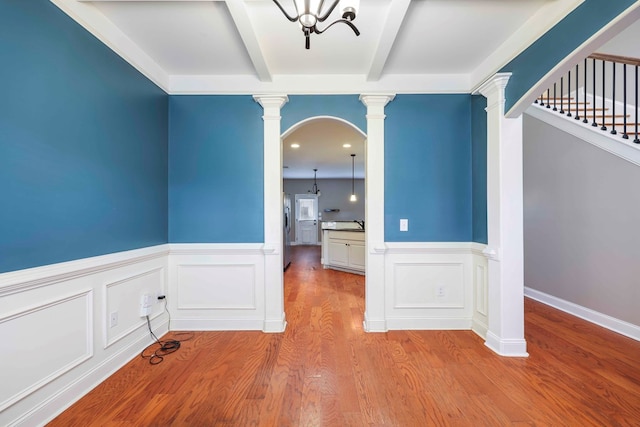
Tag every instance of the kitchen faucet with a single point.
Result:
(360, 223)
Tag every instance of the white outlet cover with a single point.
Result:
(404, 224)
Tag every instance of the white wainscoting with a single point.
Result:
(217, 286)
(434, 286)
(55, 330)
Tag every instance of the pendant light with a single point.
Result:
(353, 197)
(315, 189)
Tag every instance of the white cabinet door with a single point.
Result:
(338, 253)
(356, 255)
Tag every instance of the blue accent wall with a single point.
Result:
(479, 167)
(216, 170)
(301, 107)
(83, 144)
(555, 45)
(428, 168)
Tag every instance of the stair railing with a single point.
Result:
(600, 92)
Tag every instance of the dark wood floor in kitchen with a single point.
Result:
(325, 371)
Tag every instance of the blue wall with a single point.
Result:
(428, 168)
(215, 170)
(479, 167)
(555, 45)
(83, 144)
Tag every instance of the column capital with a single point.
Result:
(271, 102)
(494, 85)
(377, 100)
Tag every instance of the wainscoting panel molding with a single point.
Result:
(430, 285)
(123, 297)
(26, 368)
(217, 286)
(55, 320)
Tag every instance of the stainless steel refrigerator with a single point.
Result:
(286, 229)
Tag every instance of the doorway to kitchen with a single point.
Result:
(324, 172)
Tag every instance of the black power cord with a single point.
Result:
(162, 347)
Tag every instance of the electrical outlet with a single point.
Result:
(404, 225)
(440, 291)
(146, 302)
(113, 319)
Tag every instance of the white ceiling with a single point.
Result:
(249, 47)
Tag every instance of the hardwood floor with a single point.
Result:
(325, 371)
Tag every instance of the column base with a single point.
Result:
(506, 347)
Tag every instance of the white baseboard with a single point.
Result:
(506, 347)
(616, 325)
(429, 324)
(480, 329)
(216, 324)
(369, 325)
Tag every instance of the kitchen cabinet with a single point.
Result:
(344, 250)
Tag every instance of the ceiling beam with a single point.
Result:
(238, 10)
(395, 16)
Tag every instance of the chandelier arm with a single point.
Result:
(290, 18)
(326, 15)
(346, 21)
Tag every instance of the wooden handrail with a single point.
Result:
(616, 58)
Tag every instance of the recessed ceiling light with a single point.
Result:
(295, 145)
(346, 145)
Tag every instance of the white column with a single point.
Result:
(504, 251)
(273, 269)
(374, 316)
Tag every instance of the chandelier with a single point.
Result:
(310, 12)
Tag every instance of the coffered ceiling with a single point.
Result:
(248, 47)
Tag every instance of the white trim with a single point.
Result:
(434, 248)
(616, 325)
(273, 275)
(374, 212)
(217, 324)
(506, 347)
(505, 226)
(374, 325)
(535, 27)
(336, 84)
(92, 20)
(87, 295)
(392, 25)
(218, 249)
(109, 341)
(240, 16)
(434, 323)
(33, 278)
(613, 144)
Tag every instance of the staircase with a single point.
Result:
(604, 95)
